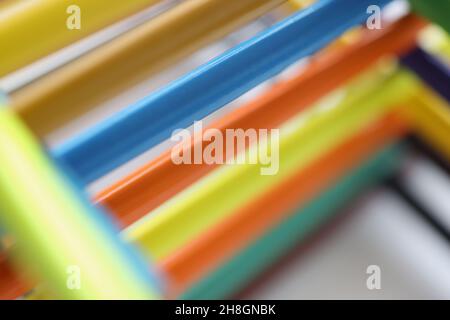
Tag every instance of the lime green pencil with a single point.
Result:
(60, 236)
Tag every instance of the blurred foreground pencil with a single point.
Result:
(61, 238)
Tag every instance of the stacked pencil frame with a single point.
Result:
(200, 185)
